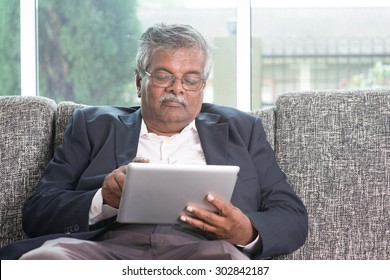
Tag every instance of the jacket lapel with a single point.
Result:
(213, 137)
(127, 135)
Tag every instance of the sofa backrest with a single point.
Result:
(267, 117)
(26, 145)
(335, 150)
(65, 110)
(333, 146)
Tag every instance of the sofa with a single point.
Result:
(334, 147)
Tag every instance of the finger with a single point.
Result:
(198, 224)
(141, 160)
(205, 215)
(122, 169)
(119, 177)
(112, 186)
(213, 231)
(223, 207)
(111, 192)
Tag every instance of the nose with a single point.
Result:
(176, 86)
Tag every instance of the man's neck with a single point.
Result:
(166, 129)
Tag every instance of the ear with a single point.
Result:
(138, 79)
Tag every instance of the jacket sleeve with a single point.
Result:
(60, 204)
(281, 218)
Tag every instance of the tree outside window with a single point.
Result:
(87, 50)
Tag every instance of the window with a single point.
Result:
(87, 51)
(9, 47)
(87, 48)
(216, 20)
(319, 48)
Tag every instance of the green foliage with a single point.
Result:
(9, 47)
(377, 76)
(87, 50)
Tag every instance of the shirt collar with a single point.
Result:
(190, 126)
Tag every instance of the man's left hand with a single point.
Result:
(229, 224)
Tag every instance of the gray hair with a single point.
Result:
(172, 37)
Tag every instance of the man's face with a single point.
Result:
(167, 110)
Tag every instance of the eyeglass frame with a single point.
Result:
(173, 79)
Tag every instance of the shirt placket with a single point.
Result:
(167, 148)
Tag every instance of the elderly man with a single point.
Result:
(71, 215)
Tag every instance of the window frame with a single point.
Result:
(28, 48)
(29, 51)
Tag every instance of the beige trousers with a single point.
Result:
(139, 242)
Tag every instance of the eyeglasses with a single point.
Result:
(167, 80)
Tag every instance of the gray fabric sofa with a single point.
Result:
(333, 146)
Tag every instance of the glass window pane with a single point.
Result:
(9, 47)
(87, 48)
(216, 20)
(318, 48)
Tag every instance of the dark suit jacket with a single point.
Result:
(100, 139)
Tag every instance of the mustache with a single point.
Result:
(173, 98)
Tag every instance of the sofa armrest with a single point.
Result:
(26, 146)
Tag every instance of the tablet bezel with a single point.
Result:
(158, 193)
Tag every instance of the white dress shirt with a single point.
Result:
(183, 148)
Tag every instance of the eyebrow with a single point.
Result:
(170, 72)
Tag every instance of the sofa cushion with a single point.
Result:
(335, 150)
(26, 144)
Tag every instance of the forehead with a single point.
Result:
(178, 61)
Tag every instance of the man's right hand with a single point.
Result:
(112, 187)
(113, 184)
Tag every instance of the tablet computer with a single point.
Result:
(158, 193)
